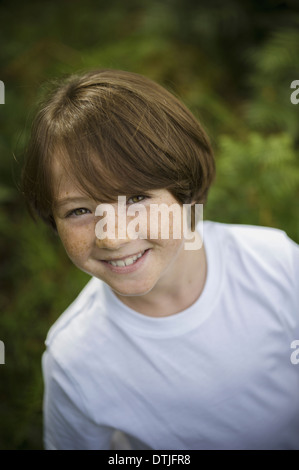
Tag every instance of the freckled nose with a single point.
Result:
(111, 243)
(108, 232)
(111, 240)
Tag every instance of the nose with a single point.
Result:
(110, 229)
(110, 243)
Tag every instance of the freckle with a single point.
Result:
(80, 246)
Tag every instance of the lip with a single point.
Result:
(127, 269)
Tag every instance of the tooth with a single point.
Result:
(127, 261)
(120, 263)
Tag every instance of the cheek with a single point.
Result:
(77, 242)
(172, 248)
(165, 226)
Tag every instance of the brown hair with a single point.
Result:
(116, 133)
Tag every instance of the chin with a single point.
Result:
(132, 292)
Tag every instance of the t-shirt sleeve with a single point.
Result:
(295, 266)
(67, 425)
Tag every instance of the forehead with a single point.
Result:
(83, 171)
(64, 183)
(66, 187)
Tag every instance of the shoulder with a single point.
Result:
(70, 330)
(266, 240)
(265, 250)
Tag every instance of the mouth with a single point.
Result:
(126, 264)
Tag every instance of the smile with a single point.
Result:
(126, 261)
(128, 264)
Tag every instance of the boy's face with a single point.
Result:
(131, 267)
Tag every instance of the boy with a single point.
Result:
(172, 348)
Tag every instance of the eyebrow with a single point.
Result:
(66, 200)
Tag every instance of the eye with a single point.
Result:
(78, 212)
(135, 199)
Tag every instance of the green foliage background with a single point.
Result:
(231, 62)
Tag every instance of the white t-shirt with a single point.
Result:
(217, 375)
